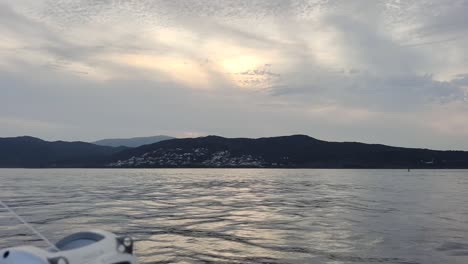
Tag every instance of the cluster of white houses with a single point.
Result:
(194, 157)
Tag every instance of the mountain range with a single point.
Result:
(297, 151)
(31, 152)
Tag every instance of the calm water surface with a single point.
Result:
(250, 216)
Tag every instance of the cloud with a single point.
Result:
(377, 92)
(333, 69)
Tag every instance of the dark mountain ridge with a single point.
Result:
(31, 152)
(297, 151)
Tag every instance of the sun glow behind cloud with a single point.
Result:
(240, 63)
(178, 69)
(196, 65)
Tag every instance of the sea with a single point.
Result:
(248, 215)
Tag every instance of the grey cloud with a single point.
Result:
(260, 72)
(380, 93)
(365, 42)
(461, 79)
(445, 18)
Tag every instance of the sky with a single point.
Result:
(392, 72)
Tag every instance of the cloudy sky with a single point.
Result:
(393, 72)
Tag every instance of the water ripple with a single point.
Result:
(250, 216)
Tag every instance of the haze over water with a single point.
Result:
(249, 215)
